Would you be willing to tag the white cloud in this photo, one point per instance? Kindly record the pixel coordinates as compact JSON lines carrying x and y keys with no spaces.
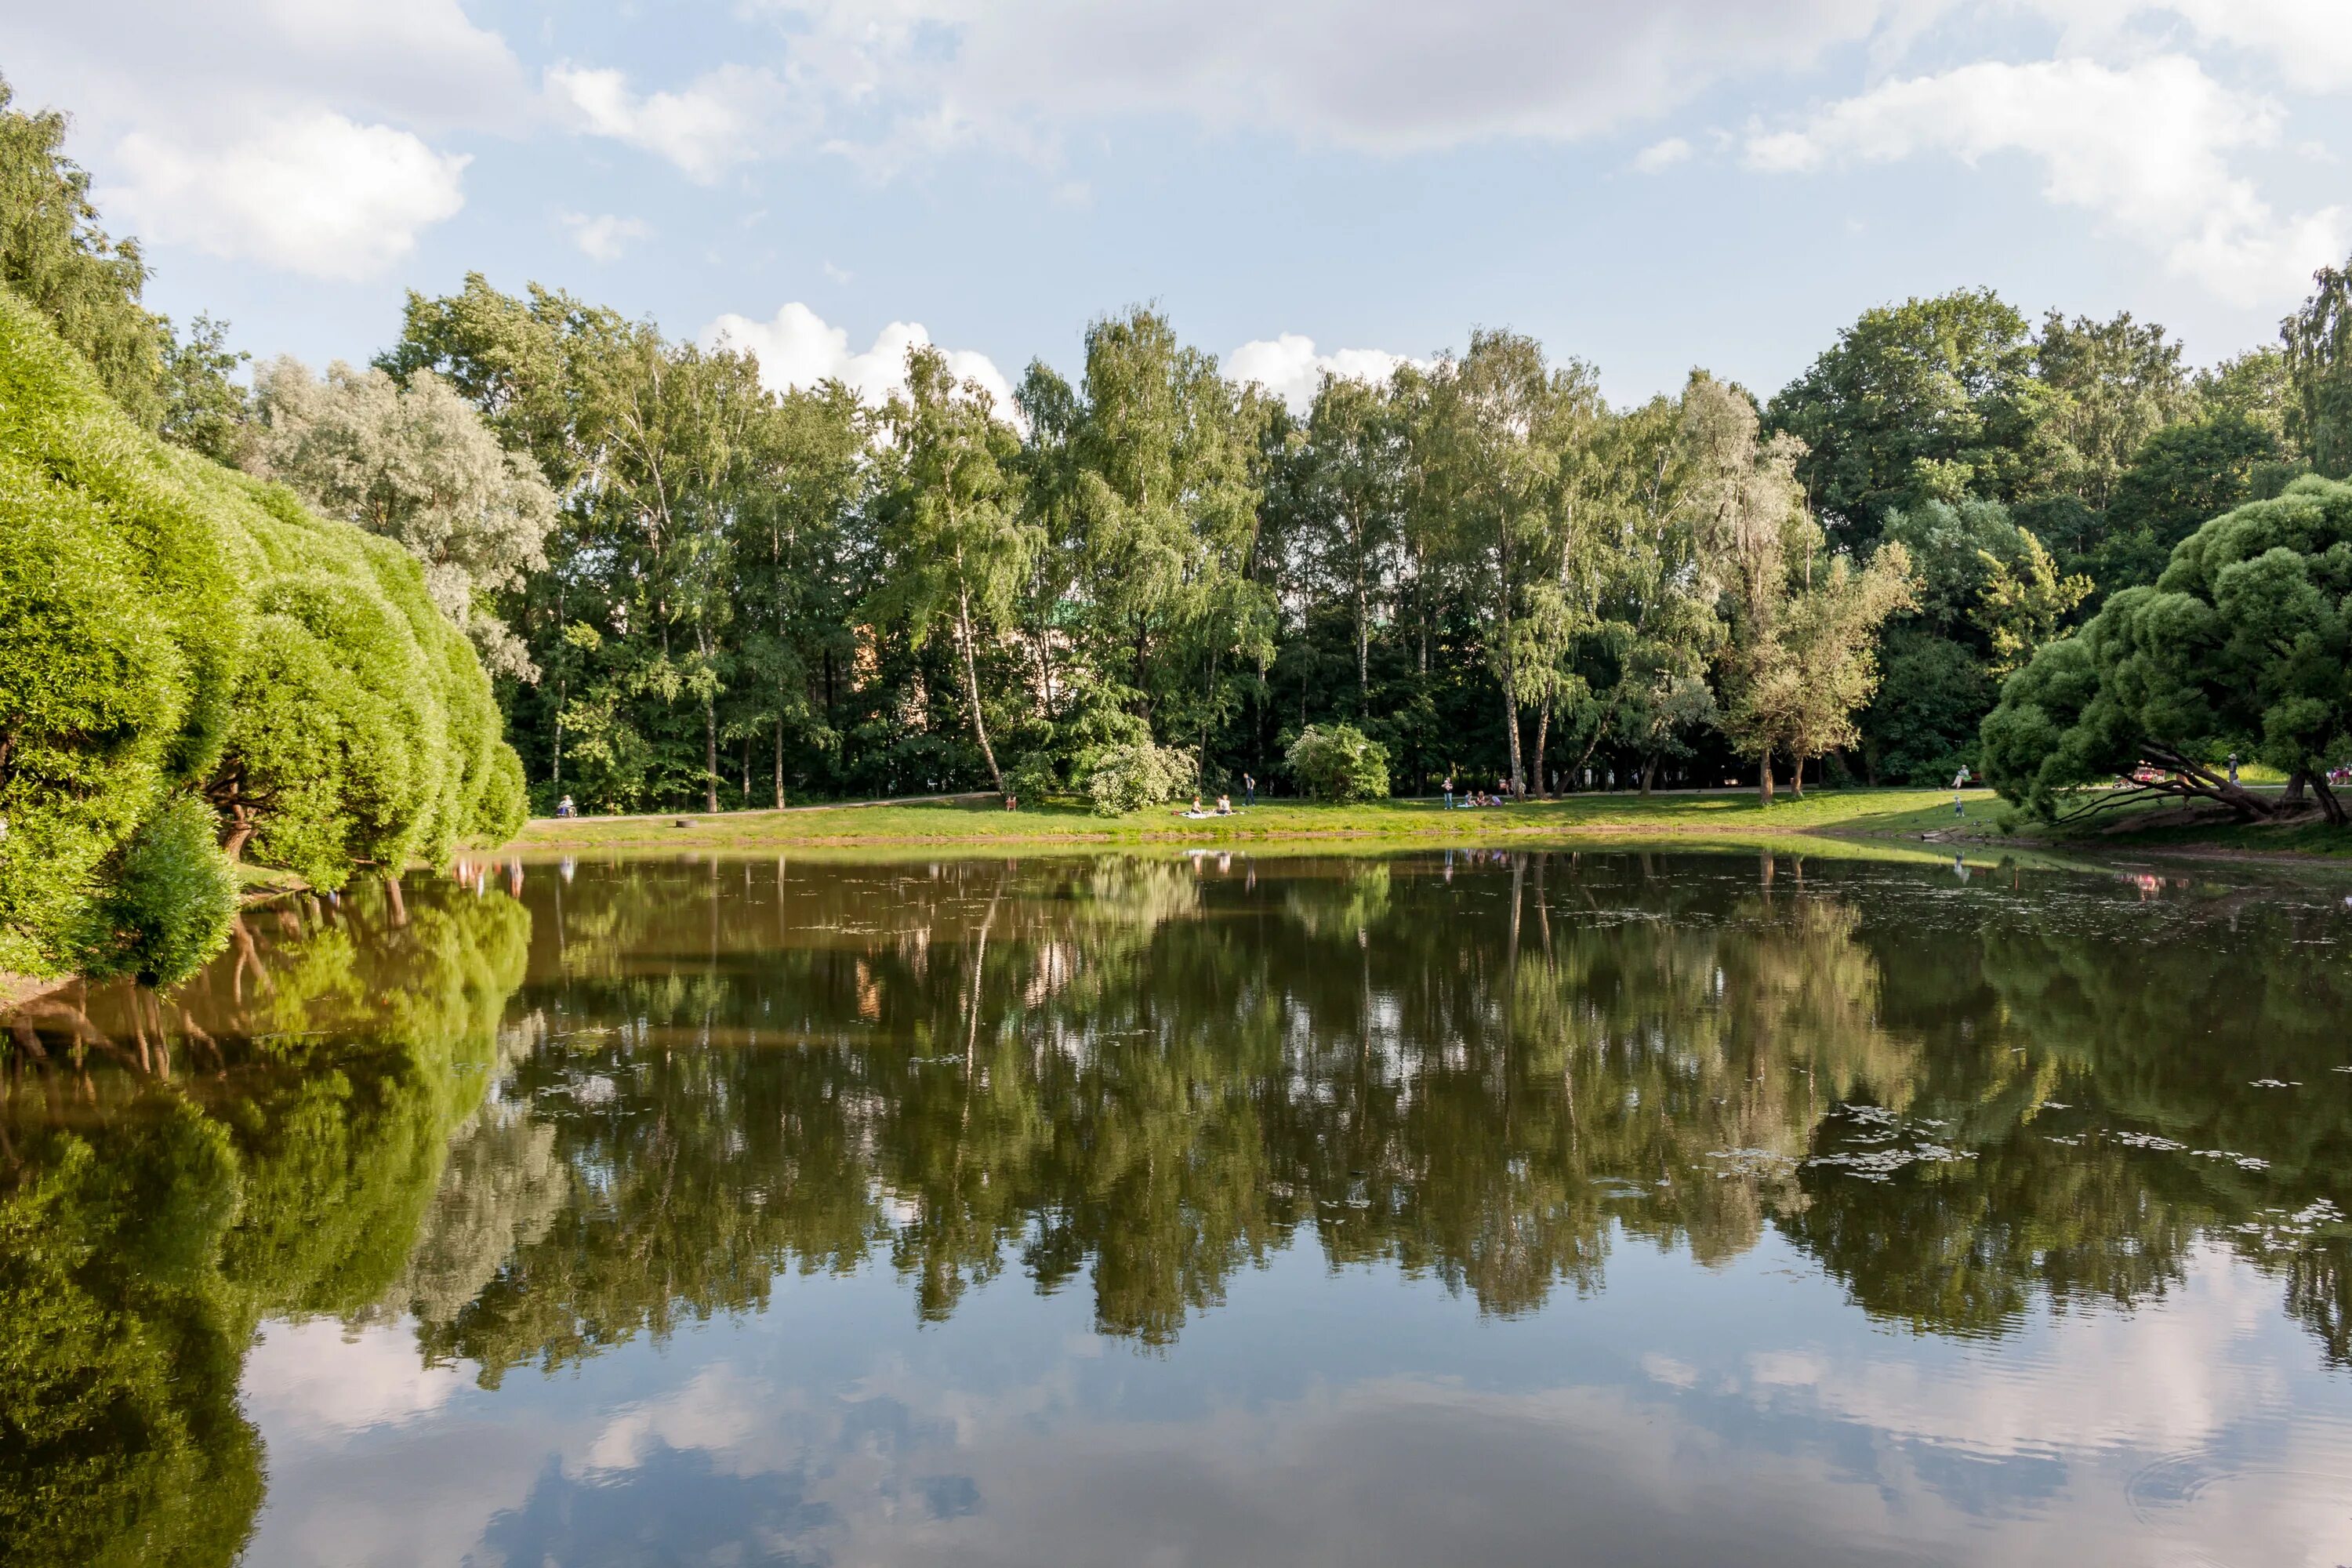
{"x":603,"y":237}
{"x":1391,"y":77}
{"x":890,"y":83}
{"x":132,"y":64}
{"x":2145,"y":146}
{"x":2306,"y":42}
{"x":797,"y":349}
{"x":1329,"y":71}
{"x":2310,"y":41}
{"x":1289,"y":367}
{"x":1663,"y":154}
{"x":318,"y":1378}
{"x":721,"y":119}
{"x":313,"y":194}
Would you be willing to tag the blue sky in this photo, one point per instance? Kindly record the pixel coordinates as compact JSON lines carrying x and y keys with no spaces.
{"x":1647,"y":186}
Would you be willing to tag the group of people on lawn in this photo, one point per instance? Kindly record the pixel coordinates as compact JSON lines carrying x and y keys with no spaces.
{"x":1470,"y":797}
{"x":1225,"y":802}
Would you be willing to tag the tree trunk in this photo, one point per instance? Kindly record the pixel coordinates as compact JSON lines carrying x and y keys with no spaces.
{"x":971,"y":687}
{"x":1363,"y":640}
{"x":1511,"y":723}
{"x":1649,"y":771}
{"x":709,"y":753}
{"x":1420,"y":614}
{"x":2196,"y":779}
{"x":1543,"y":735}
{"x":2330,"y":807}
{"x":399,"y":904}
{"x":780,"y":764}
{"x":1764,"y":779}
{"x":2296,"y":782}
{"x":1797,"y":777}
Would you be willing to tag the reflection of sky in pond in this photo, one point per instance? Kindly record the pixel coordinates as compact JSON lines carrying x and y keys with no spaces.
{"x":1500,"y":1208}
{"x":1349,"y":1418}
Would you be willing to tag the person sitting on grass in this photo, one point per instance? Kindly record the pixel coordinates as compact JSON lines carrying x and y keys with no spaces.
{"x":1225,"y":806}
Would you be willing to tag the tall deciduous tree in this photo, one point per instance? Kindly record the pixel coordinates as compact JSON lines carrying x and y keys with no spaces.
{"x":1166,"y":504}
{"x":417,"y":465}
{"x":89,"y":284}
{"x":1508,"y":431}
{"x":1353,"y":500}
{"x":1800,"y":657}
{"x":1931,"y":399}
{"x":2109,"y":386}
{"x":2318,"y":339}
{"x":956,"y":544}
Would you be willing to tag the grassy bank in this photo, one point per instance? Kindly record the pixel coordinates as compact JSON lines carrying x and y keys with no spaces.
{"x":1712,"y":813}
{"x":1914,"y":816}
{"x":2143,"y":827}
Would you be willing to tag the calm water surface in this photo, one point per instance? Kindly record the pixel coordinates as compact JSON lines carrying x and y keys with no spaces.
{"x":1524,"y":1208}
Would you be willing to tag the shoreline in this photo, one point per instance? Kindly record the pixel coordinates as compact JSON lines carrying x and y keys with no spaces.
{"x":1917,"y":819}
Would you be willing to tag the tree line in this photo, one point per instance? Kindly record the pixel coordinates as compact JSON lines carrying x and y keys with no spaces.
{"x":749,"y":597}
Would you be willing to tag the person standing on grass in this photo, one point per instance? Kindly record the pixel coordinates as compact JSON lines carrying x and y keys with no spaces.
{"x":1449,"y":791}
{"x":1249,"y":789}
{"x":1959,"y":783}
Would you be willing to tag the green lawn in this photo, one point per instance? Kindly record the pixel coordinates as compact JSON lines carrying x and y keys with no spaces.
{"x":2141,"y":826}
{"x":1715,"y":814}
{"x":1922,"y":817}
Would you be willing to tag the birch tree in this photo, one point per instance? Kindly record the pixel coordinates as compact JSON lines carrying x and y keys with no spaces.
{"x":956,"y":543}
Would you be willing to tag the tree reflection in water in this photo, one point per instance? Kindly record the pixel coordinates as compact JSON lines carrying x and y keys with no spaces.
{"x":634,"y":1097}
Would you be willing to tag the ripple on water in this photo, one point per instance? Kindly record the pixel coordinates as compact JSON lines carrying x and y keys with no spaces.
{"x":2227,"y":1509}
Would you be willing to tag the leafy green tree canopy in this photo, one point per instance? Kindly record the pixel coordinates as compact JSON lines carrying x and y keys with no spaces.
{"x":1338,"y":762}
{"x":2244,"y":645}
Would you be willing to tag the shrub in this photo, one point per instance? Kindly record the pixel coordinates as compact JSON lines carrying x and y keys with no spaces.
{"x":505,"y":805}
{"x":1338,"y":762}
{"x":1129,"y":777}
{"x":119,"y":630}
{"x":166,"y":624}
{"x":168,"y":907}
{"x":1033,"y":777}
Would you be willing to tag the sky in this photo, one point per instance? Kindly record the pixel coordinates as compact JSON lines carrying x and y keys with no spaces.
{"x":1318,"y":185}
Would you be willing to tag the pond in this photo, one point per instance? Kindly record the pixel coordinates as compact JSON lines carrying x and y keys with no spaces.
{"x":1532,"y":1207}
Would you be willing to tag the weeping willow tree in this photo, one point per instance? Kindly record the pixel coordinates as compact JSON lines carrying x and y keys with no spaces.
{"x":172,"y":632}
